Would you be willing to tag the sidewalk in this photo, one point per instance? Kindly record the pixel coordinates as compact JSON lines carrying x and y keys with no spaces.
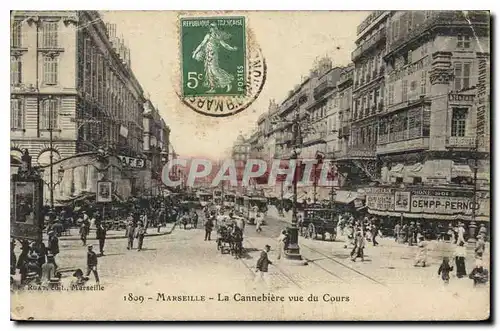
{"x":115,"y":234}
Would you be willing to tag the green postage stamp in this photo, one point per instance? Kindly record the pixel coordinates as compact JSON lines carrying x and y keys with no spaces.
{"x":213,"y":56}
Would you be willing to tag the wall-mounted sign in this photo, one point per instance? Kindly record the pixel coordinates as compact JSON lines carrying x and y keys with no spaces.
{"x":132,"y":162}
{"x":104,"y":190}
{"x":379,"y":198}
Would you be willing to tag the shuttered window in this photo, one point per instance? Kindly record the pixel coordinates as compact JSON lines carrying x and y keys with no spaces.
{"x":16,"y":114}
{"x":50,"y":70}
{"x":49,"y":35}
{"x":49,"y":114}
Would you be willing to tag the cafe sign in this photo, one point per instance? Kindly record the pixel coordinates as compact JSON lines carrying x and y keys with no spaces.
{"x":132,"y":162}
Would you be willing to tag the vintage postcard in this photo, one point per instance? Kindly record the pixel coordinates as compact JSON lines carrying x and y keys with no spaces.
{"x":250,"y":166}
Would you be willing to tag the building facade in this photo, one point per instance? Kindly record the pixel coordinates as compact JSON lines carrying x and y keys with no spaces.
{"x":73,"y":93}
{"x":156,"y":145}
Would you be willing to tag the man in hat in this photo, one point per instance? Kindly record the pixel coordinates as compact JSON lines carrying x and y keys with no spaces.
{"x":101,"y":236}
{"x":262,"y":266}
{"x":92,"y":263}
{"x":53,"y":244}
{"x":411,"y":230}
{"x":84,"y":228}
{"x":139,"y":234}
{"x":130,"y":232}
{"x":483,"y":231}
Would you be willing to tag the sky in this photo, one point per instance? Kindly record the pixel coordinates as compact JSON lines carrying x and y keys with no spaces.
{"x":290,"y":43}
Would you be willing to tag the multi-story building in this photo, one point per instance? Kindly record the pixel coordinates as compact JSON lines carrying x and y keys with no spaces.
{"x":434,"y":127}
{"x":73,"y":92}
{"x":344,"y":101}
{"x":359,"y":164}
{"x":156,"y":145}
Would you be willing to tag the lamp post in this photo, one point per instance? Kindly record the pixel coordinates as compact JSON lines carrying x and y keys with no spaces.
{"x":51,"y":184}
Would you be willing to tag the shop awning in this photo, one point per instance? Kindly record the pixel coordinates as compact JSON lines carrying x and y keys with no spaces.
{"x":397,"y":170}
{"x":415,"y":170}
{"x":456,"y":217}
{"x":345,"y":197}
{"x":461,"y":170}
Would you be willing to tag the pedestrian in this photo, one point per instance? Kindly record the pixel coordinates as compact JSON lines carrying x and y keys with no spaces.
{"x":359,"y":246}
{"x":140,"y":233}
{"x":480,"y":247}
{"x":209,"y":224}
{"x":397,"y":229}
{"x":479,"y":274}
{"x":444,"y":270}
{"x":258,"y":225}
{"x":280,"y":247}
{"x":483,"y":231}
{"x":460,"y":253}
{"x":411,"y":229}
{"x":92,"y":263}
{"x":130,"y":233}
{"x":421,"y":256}
{"x":262,"y":267}
{"x":101,"y":236}
{"x":79,"y":279}
{"x":48,"y":269}
{"x":374,"y":232}
{"x":194,"y":217}
{"x":84,"y":231}
{"x":53,"y":244}
{"x":460,"y":233}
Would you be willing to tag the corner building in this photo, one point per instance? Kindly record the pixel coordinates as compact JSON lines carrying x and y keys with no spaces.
{"x":71,"y":76}
{"x":433,"y":131}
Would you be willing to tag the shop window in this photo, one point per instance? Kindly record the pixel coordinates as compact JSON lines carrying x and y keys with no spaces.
{"x":417,"y":180}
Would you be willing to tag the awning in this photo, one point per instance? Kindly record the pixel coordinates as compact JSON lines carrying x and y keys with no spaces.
{"x":397,"y":170}
{"x":345,"y":197}
{"x":288,"y":196}
{"x":455,"y":217}
{"x":461,"y":170}
{"x":415,"y":170}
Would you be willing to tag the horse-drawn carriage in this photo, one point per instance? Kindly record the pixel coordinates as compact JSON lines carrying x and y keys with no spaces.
{"x":319,"y":221}
{"x":230,"y":239}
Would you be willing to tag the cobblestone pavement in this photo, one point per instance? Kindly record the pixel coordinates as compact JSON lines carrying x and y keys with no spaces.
{"x":385,"y":286}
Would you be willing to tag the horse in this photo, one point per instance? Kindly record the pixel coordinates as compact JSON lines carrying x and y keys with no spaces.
{"x":236,"y":242}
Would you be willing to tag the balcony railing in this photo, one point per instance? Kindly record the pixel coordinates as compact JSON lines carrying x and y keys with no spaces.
{"x":441,"y":18}
{"x":314,"y":138}
{"x":323,"y":88}
{"x":373,"y":41}
{"x":368,"y":20}
{"x":461,"y":142}
{"x":284,"y":138}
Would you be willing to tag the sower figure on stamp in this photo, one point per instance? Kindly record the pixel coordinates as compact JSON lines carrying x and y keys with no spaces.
{"x":208,"y":52}
{"x":92,"y":263}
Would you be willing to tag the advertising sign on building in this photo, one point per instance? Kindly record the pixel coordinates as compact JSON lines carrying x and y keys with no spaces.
{"x":402,"y":201}
{"x":132,"y":162}
{"x":442,"y":202}
{"x":26,"y":220}
{"x":379,"y":198}
{"x":104,"y":190}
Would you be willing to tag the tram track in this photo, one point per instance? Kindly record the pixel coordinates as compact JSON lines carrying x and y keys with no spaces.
{"x":330,"y":258}
{"x":288,"y":277}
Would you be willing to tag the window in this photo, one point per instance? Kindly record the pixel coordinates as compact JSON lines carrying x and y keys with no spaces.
{"x":405,"y":90}
{"x":462,"y":75}
{"x":50,"y":70}
{"x":463,"y":41}
{"x":417,"y":180}
{"x":49,"y":35}
{"x":16,"y":34}
{"x":423,"y":82}
{"x":49,"y":114}
{"x":16,"y":114}
{"x":458,"y":121}
{"x":15,"y":70}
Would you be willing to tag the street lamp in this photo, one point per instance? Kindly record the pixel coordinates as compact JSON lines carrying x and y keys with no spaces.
{"x":51,"y":184}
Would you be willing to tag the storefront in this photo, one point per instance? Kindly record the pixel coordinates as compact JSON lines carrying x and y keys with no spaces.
{"x":432,"y":204}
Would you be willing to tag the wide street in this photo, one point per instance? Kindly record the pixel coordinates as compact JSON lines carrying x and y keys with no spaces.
{"x":384,"y":286}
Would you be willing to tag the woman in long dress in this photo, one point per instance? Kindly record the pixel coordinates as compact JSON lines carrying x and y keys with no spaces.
{"x":208,"y":52}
